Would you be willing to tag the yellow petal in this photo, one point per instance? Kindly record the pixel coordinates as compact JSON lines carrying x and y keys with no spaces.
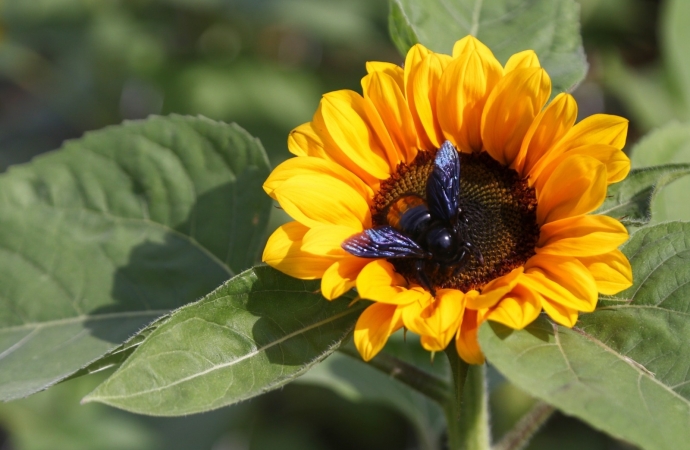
{"x":581,"y":236}
{"x":470,"y":44}
{"x":390,"y":69}
{"x":577,"y":186}
{"x":611,"y":271}
{"x":547,"y":129}
{"x":374,"y":327}
{"x":523,"y":60}
{"x":561,"y":280}
{"x":380,"y":282}
{"x":303,"y":141}
{"x":464,"y":88}
{"x":413,"y":59}
{"x":283,"y":252}
{"x":341,"y":276}
{"x":510,"y":110}
{"x":494,"y":290}
{"x":421,"y":87}
{"x":597,"y":129}
{"x":437,"y":317}
{"x":343,"y":117}
{"x":385,"y":94}
{"x":560,"y":314}
{"x":466,"y":342}
{"x":326,"y":240}
{"x":306,"y":165}
{"x":517,"y":309}
{"x":318,"y":199}
{"x":616,"y":162}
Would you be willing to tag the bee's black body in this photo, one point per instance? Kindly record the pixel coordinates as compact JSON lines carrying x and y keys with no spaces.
{"x":431,"y":233}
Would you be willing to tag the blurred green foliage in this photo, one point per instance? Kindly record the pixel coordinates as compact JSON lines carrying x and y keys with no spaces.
{"x":68,"y":66}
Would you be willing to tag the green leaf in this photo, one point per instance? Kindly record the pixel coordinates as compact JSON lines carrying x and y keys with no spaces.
{"x":670,"y":144}
{"x":257,"y":332}
{"x":630,"y":200}
{"x":115,"y":230}
{"x":624,"y":368}
{"x":549,"y":27}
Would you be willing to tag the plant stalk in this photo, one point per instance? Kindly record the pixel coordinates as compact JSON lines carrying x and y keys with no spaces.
{"x":467,"y":413}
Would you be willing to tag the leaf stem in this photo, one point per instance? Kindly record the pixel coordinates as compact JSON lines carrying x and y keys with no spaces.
{"x":467,"y":413}
{"x":523,"y":431}
{"x":420,"y":380}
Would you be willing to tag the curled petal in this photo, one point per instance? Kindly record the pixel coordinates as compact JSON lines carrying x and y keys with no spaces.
{"x":283,"y":252}
{"x":517,"y":309}
{"x":437,"y":318}
{"x":611,"y":271}
{"x":494,"y":290}
{"x":562,"y":280}
{"x":466,"y":342}
{"x":341,"y":276}
{"x":304,"y":141}
{"x":577,"y":186}
{"x":581,"y":236}
{"x":374,"y":327}
{"x":560,"y":314}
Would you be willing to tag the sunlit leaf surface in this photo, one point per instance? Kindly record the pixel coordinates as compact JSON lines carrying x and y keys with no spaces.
{"x":116,"y":229}
{"x":255,"y":333}
{"x":549,"y":27}
{"x":624,"y":368}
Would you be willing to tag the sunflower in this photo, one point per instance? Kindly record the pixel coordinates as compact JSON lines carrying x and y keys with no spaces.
{"x":529,"y":178}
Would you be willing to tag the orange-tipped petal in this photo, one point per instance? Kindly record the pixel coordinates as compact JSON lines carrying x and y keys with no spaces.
{"x":510,"y":110}
{"x":464,"y":89}
{"x":385,"y":94}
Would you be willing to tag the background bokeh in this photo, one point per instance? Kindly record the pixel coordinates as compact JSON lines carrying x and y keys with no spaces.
{"x":70,"y":66}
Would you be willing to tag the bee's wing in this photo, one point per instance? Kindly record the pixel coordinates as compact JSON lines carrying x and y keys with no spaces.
{"x":443,"y":186}
{"x":383,"y":242}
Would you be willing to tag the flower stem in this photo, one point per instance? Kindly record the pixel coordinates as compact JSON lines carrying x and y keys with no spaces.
{"x":468,"y":412}
{"x":527,"y":426}
{"x":420,"y":380}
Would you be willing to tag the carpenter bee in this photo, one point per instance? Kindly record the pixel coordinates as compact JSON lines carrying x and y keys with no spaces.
{"x":431,"y":232}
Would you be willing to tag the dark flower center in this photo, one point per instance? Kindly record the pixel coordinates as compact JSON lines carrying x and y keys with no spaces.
{"x":500,"y":208}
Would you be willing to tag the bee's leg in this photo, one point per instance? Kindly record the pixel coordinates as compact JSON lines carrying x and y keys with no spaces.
{"x":422,"y":277}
